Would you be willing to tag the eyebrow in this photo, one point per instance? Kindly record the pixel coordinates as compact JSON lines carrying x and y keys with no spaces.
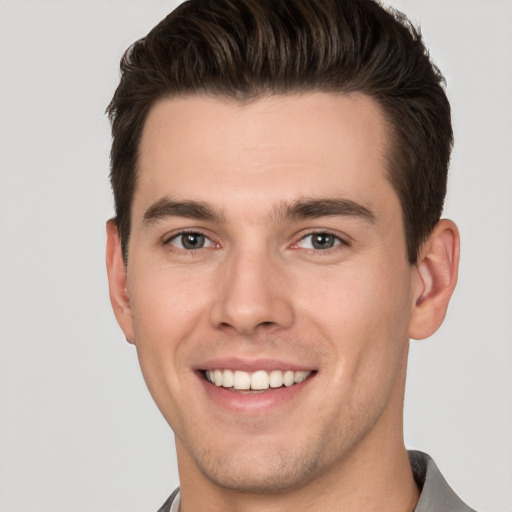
{"x":297,"y":210}
{"x":166,"y":207}
{"x":313,"y":208}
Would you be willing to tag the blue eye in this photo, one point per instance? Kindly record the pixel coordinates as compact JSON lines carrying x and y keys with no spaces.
{"x":319,"y":241}
{"x":190,"y":241}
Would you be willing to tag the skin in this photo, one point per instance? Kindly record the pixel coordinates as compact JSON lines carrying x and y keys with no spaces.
{"x":258,"y":293}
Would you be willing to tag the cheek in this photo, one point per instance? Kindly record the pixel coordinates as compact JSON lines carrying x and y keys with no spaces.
{"x":166,"y":305}
{"x":166,"y":309}
{"x":363,"y":313}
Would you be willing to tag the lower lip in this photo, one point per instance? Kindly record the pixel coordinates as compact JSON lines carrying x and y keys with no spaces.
{"x":254,"y":402}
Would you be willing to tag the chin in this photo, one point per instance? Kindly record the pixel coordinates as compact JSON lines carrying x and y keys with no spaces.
{"x":274,"y":477}
{"x":264,"y":469}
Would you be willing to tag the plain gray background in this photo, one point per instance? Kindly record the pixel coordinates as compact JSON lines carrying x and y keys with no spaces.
{"x":78,"y":430}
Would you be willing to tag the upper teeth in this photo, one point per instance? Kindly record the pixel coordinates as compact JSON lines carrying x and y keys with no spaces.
{"x":257,"y":380}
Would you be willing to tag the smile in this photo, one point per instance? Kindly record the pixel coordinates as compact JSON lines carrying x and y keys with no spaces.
{"x":258,"y":381}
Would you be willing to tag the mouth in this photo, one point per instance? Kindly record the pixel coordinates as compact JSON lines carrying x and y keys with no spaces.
{"x":254,"y":382}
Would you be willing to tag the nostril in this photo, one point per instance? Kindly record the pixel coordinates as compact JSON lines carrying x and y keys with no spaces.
{"x":242,"y":329}
{"x":250,"y":313}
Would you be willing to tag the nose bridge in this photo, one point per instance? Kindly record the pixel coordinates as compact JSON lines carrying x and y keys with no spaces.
{"x":251,"y":294}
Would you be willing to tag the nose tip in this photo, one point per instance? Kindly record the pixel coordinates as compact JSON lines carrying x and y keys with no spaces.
{"x":252,"y":298}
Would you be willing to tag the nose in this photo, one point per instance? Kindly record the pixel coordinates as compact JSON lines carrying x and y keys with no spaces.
{"x":253,"y":295}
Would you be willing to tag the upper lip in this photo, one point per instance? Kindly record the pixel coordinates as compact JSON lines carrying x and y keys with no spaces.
{"x":252,"y":365}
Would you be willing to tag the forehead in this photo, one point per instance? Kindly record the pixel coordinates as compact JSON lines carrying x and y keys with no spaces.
{"x":273,"y":149}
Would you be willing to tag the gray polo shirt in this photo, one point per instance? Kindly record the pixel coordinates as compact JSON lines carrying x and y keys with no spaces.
{"x":436,"y":494}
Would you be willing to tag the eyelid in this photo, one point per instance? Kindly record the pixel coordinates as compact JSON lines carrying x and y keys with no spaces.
{"x":169,"y":237}
{"x":342,"y":239}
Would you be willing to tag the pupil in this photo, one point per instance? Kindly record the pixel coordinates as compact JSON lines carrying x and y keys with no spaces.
{"x":323,"y":241}
{"x":193,"y":240}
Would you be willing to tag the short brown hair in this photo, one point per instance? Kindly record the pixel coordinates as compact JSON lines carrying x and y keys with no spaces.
{"x":244,"y":49}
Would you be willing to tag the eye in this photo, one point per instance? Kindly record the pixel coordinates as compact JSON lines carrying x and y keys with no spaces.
{"x":319,"y":241}
{"x":190,"y":240}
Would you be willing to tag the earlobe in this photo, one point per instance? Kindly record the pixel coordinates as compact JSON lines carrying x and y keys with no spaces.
{"x":116,"y":271}
{"x":436,"y":277}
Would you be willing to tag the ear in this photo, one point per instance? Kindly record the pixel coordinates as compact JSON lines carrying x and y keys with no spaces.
{"x":116,"y":271}
{"x":436,"y":277}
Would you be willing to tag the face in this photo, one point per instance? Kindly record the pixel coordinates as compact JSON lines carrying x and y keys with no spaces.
{"x":268,"y":290}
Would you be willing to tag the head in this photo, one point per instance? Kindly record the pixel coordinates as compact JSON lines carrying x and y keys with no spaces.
{"x":279,"y":169}
{"x":248,"y":49}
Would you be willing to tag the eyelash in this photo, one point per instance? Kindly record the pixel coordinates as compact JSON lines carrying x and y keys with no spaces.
{"x":175,"y":236}
{"x":338,"y":241}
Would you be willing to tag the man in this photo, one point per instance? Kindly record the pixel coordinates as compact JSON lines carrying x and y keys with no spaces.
{"x":279,"y":171}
